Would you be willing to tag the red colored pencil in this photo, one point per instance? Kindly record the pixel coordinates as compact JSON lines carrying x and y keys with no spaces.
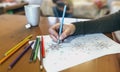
{"x":43,"y":48}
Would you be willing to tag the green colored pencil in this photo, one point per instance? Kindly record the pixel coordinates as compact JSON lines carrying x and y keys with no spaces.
{"x":37,"y":47}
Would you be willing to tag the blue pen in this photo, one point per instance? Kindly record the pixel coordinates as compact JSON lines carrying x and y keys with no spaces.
{"x":61,"y":24}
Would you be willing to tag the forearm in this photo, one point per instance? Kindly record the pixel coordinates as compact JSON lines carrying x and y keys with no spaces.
{"x":102,"y":25}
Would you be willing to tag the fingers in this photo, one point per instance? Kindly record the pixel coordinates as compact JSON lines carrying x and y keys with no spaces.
{"x":67,"y":30}
{"x":53,"y":32}
{"x":54,"y":38}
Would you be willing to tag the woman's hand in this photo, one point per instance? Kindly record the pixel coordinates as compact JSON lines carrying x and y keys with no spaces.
{"x":68,"y":29}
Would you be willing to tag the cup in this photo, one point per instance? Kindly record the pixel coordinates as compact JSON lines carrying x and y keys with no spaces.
{"x":32,"y":13}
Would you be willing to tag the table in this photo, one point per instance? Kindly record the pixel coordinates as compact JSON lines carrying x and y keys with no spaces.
{"x":12,"y":30}
{"x":18,"y":8}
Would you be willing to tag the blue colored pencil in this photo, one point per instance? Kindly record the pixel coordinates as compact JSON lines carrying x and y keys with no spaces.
{"x":18,"y":58}
{"x":61,"y":24}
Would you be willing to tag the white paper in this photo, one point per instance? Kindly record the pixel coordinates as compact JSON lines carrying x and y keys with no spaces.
{"x":68,"y":20}
{"x":71,"y":20}
{"x":83,"y":20}
{"x":76,"y":50}
{"x":52,"y":20}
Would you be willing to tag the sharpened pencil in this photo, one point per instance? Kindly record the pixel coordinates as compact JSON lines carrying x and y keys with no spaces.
{"x":61,"y":24}
{"x":41,"y":54}
{"x":36,"y":50}
{"x":33,"y":50}
{"x":18,"y":45}
{"x":42,"y":46}
{"x":11,"y":53}
{"x":18,"y":58}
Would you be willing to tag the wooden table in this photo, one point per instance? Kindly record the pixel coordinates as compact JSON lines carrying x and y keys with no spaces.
{"x":12,"y":30}
{"x":18,"y":8}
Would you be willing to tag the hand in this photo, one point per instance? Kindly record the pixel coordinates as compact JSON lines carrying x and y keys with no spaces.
{"x":68,"y":29}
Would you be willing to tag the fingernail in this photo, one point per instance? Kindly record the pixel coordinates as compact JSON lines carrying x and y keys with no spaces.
{"x":61,"y":38}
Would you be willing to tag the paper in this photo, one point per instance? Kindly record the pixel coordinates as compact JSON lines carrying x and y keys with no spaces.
{"x":83,"y":20}
{"x":71,"y":20}
{"x":52,"y":20}
{"x":76,"y":50}
{"x":68,"y":20}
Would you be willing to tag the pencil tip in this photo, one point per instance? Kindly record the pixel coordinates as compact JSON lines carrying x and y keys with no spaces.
{"x":9,"y":67}
{"x":30,"y":61}
{"x":41,"y":67}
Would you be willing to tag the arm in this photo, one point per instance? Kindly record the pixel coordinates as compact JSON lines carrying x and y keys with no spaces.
{"x":105,"y":24}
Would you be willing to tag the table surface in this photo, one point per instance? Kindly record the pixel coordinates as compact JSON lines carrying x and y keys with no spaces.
{"x":12,"y":31}
{"x":17,"y":8}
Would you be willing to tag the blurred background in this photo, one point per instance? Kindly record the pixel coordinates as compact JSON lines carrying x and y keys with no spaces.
{"x":76,"y":8}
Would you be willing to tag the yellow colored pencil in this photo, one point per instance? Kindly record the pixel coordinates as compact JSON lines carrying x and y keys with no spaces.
{"x":12,"y":52}
{"x":18,"y":45}
{"x":28,"y":37}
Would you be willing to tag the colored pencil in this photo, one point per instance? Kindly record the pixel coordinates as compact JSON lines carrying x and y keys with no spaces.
{"x":11,"y":53}
{"x":41,"y":56}
{"x":33,"y":50}
{"x":18,"y":58}
{"x":18,"y":45}
{"x":61,"y":24}
{"x":42,"y":46}
{"x":36,"y":50}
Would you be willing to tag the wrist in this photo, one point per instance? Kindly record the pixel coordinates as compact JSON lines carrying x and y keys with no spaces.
{"x":72,"y":26}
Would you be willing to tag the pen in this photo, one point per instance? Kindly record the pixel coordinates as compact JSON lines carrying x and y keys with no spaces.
{"x":61,"y":24}
{"x":18,"y":58}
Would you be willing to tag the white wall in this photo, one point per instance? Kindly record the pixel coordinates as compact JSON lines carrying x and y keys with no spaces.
{"x":115,"y":6}
{"x":110,"y":1}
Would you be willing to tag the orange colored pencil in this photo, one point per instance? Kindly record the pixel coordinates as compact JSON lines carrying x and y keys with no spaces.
{"x":11,"y":53}
{"x":18,"y":45}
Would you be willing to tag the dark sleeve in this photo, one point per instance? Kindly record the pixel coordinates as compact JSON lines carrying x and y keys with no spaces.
{"x":104,"y":24}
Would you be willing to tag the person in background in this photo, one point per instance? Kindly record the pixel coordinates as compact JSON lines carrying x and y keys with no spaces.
{"x":59,"y":6}
{"x":104,"y":24}
{"x":8,"y":0}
